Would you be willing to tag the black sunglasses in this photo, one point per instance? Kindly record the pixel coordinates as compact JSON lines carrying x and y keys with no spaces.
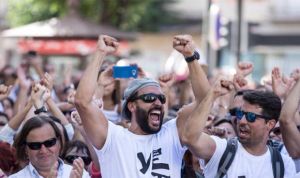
{"x":70,"y":159}
{"x":38,"y":145}
{"x":151,"y":97}
{"x":250,"y":116}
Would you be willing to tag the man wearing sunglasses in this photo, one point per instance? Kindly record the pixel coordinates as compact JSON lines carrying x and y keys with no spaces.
{"x":40,"y":142}
{"x":256,"y":117}
{"x":147,"y":148}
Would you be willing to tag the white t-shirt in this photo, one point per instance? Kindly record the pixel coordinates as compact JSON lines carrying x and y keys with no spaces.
{"x":128,"y":155}
{"x":245,"y":164}
{"x":296,"y":161}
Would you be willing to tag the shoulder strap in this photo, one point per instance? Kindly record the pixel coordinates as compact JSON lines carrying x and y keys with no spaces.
{"x":277,"y":162}
{"x":227,"y":157}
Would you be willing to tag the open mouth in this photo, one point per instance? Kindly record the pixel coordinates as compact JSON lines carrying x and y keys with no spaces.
{"x":243,"y":131}
{"x":155,"y":116}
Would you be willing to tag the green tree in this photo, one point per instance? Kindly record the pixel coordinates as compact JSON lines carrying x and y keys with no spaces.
{"x":144,"y":15}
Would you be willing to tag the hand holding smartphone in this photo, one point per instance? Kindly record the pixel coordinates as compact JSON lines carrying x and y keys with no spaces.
{"x":125,"y":71}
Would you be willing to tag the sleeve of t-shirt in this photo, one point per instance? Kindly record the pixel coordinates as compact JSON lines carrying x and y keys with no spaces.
{"x":7,"y":134}
{"x":289,"y":166}
{"x":212,"y":165}
{"x":112,"y":130}
{"x":174,"y":134}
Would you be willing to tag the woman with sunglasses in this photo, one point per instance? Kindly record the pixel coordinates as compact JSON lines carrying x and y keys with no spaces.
{"x":40,"y":143}
{"x":75,"y":149}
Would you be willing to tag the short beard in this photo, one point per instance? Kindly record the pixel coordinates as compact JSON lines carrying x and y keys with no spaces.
{"x":142,"y":121}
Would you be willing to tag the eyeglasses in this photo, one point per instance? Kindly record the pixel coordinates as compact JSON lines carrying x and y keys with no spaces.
{"x":151,"y":97}
{"x":250,"y":116}
{"x":70,"y":158}
{"x":276,"y":130}
{"x":38,"y":145}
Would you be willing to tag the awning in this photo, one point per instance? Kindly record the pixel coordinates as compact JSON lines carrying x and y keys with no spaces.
{"x":80,"y":47}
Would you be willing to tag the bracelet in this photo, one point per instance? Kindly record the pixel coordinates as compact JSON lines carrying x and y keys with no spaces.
{"x":40,"y":110}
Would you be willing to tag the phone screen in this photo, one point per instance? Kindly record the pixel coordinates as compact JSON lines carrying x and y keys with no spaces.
{"x":125,"y":71}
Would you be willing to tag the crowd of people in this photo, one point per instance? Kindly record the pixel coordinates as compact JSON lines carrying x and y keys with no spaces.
{"x":98,"y":126}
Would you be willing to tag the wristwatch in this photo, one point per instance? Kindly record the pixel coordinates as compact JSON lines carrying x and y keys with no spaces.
{"x":196,"y":55}
{"x":40,"y":110}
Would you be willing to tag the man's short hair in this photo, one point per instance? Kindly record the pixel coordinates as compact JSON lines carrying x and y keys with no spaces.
{"x":268,"y":101}
{"x":132,"y":90}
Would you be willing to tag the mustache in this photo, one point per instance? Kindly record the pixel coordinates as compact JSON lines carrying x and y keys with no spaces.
{"x":156,"y":108}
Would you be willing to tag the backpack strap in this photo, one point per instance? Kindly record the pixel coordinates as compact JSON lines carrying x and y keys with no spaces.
{"x":277,"y":162}
{"x":227,"y":157}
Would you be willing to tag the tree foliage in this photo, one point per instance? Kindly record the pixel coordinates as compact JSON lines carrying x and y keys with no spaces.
{"x":145,"y":15}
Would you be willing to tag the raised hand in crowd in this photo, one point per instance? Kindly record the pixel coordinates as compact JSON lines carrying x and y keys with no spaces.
{"x":53,"y":172}
{"x":107,"y":44}
{"x":4,"y":91}
{"x":239,"y":82}
{"x":199,"y":143}
{"x":290,"y":119}
{"x":280,"y":84}
{"x":47,"y":80}
{"x":37,"y":93}
{"x":166,"y":81}
{"x":244,"y":68}
{"x":77,"y":169}
{"x":184,"y":44}
{"x":200,"y":84}
{"x":93,"y":119}
{"x":47,"y":83}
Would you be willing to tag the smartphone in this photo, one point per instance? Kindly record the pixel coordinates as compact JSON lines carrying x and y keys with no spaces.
{"x":125,"y":71}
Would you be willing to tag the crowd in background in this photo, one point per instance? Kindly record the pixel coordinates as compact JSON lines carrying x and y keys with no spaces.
{"x":41,"y":129}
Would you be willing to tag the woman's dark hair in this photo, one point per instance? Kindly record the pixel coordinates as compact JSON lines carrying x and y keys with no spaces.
{"x":79,"y":145}
{"x":33,"y":123}
{"x":221,"y":121}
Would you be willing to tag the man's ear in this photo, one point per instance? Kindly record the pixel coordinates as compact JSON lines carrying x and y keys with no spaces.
{"x":271,"y":124}
{"x":131,"y":106}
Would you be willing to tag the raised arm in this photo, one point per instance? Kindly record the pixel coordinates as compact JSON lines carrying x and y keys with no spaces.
{"x":47,"y":81}
{"x":186,"y":46}
{"x":280,"y":85}
{"x":94,"y":121}
{"x":288,"y":125}
{"x":199,"y":143}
